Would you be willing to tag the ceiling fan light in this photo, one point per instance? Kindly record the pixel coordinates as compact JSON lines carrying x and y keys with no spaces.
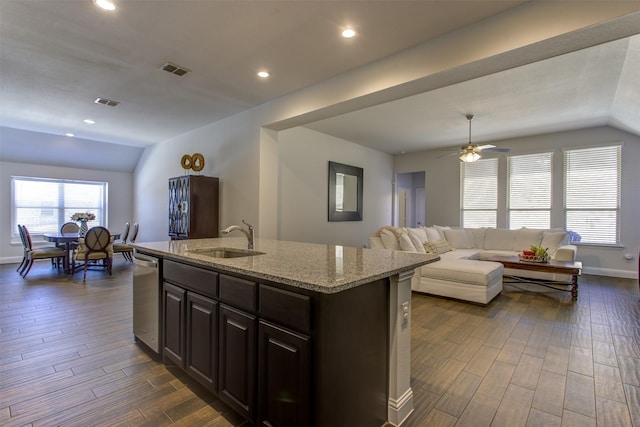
{"x":470,"y":156}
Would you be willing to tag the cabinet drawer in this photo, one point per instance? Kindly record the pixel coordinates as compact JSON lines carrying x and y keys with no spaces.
{"x":238,"y":292}
{"x":197,"y":279}
{"x":285,"y":308}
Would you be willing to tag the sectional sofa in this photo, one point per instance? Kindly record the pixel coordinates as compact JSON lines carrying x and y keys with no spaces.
{"x":464,"y":271}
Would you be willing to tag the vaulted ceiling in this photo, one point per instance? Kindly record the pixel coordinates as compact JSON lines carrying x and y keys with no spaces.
{"x":58,"y":56}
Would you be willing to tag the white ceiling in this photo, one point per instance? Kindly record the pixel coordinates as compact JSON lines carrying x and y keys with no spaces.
{"x":57,"y":56}
{"x":592,"y":87}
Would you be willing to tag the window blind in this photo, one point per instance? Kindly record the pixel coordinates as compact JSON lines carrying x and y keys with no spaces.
{"x":592,"y":194}
{"x":43,"y":205}
{"x":529,"y":194}
{"x":480,"y":193}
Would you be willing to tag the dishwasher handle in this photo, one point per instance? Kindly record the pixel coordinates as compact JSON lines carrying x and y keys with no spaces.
{"x":147,"y":262}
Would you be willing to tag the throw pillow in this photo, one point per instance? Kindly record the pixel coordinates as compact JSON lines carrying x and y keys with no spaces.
{"x":418,"y":236}
{"x":389,"y":240}
{"x":405,"y":243}
{"x":441,"y":230}
{"x":525,"y":237}
{"x":438,"y":247}
{"x":458,"y":239}
{"x":553,"y":240}
{"x":432,"y":234}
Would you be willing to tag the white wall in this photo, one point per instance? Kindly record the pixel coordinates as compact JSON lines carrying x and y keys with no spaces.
{"x":120,"y":198}
{"x":443,"y":190}
{"x":303,"y":162}
{"x":231,"y":151}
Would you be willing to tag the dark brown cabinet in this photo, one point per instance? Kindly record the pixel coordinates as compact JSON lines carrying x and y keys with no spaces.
{"x":173,"y":324}
{"x":193,"y":207}
{"x":237,"y":366}
{"x":284,"y":377}
{"x":202,"y":339}
{"x":277,"y":355}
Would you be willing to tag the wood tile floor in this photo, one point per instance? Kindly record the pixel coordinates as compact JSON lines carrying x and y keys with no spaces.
{"x":67,"y":357}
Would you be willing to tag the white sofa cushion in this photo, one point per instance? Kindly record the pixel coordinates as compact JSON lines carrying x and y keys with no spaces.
{"x":441,"y":230}
{"x":432,"y":234}
{"x":552,"y":240}
{"x":458,"y":239}
{"x":487,"y":254}
{"x":480,"y":273}
{"x":524,"y":238}
{"x":390,"y":240}
{"x":478,"y":236}
{"x":405,"y":242}
{"x":499,"y":239}
{"x":418,"y":237}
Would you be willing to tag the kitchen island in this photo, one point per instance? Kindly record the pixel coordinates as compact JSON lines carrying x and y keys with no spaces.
{"x":292,"y":334}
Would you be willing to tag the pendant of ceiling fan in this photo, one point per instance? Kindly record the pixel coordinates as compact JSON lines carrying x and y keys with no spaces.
{"x":471,"y":152}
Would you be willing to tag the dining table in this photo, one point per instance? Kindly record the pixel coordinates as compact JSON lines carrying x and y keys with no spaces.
{"x":70,"y":241}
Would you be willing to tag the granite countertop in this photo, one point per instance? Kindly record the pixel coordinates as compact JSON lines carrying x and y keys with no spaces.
{"x":316,"y":267}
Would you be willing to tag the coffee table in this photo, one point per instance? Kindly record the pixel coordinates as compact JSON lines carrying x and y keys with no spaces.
{"x":573,"y":269}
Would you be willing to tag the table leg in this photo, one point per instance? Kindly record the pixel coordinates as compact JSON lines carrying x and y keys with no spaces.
{"x":574,"y":287}
{"x":67,"y":260}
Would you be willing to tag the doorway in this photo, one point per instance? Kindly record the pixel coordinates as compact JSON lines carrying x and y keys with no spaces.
{"x":410,"y":199}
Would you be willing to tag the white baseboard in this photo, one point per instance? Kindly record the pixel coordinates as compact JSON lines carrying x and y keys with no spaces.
{"x":623,"y":274}
{"x":399,"y":410}
{"x":11,"y":260}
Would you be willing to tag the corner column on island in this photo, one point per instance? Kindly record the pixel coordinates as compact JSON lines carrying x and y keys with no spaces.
{"x":294,"y":334}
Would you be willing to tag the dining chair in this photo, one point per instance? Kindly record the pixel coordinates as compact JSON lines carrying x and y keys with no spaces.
{"x":24,"y":248}
{"x":69,"y":227}
{"x":121,"y":247}
{"x":96,"y":245}
{"x":31,"y":254}
{"x":134,"y":233}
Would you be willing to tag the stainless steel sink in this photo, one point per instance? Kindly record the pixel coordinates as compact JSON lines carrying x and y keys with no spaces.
{"x":224,"y":252}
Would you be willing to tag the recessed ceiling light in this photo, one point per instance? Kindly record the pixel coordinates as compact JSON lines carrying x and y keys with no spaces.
{"x":348,"y":33}
{"x":109,"y":5}
{"x":89,"y":121}
{"x":69,"y":134}
{"x":263,"y":74}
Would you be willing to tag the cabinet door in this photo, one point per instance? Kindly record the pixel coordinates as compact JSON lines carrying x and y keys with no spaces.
{"x":179,"y":207}
{"x":202,"y":338}
{"x":237,"y":365}
{"x":284,"y":377}
{"x":173,"y":302}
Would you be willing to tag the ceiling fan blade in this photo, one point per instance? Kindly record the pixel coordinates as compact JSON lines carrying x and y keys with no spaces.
{"x":444,"y":156}
{"x":496,"y":150}
{"x":484,"y":147}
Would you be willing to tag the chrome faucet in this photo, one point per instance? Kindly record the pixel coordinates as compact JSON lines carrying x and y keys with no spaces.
{"x":248,"y":232}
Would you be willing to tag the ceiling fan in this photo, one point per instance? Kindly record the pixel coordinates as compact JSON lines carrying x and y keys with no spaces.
{"x":471,"y":152}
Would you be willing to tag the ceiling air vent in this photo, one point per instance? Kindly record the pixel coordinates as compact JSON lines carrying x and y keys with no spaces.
{"x":175,"y":69}
{"x":105,"y":101}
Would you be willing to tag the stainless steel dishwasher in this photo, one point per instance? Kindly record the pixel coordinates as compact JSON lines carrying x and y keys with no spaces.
{"x":146,"y":299}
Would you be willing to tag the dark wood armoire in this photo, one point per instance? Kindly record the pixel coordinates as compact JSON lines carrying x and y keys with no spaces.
{"x":193,"y":207}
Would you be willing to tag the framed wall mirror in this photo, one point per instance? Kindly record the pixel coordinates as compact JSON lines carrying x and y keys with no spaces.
{"x":345,"y":192}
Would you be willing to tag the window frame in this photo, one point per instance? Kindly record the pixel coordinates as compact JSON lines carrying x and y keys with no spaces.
{"x":550,"y":160}
{"x":60,"y":208}
{"x":616,"y":210}
{"x":463,"y":209}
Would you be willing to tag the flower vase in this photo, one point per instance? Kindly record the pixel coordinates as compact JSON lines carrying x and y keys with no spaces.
{"x":83,"y":228}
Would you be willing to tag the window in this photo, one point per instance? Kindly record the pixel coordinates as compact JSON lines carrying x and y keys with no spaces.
{"x":592,"y":194}
{"x":479,"y":193}
{"x":43,"y":205}
{"x":529,"y":195}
